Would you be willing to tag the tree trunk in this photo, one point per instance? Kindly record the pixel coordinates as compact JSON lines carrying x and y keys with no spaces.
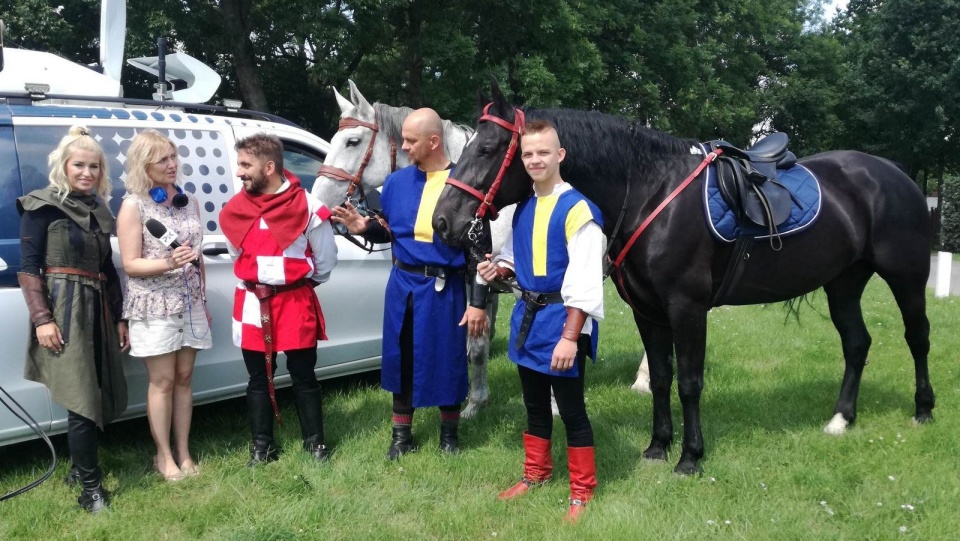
{"x":236,"y":16}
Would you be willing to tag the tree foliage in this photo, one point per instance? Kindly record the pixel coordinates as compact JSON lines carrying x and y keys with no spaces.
{"x":950,"y":215}
{"x":882,"y":77}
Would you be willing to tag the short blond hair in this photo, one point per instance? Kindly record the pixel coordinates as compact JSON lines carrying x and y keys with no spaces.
{"x":147,"y":148}
{"x":78,"y":138}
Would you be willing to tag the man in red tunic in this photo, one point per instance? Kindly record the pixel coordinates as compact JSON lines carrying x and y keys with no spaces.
{"x":284,"y":247}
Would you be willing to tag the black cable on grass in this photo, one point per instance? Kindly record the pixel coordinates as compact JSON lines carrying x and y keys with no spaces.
{"x":32,"y":423}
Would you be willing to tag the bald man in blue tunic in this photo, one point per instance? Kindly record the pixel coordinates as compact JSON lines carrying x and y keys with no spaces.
{"x":426,"y":317}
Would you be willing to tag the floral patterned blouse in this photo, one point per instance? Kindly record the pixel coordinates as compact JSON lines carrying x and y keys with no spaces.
{"x":166,"y":294}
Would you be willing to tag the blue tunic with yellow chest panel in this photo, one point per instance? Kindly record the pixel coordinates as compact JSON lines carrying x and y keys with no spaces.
{"x":541,"y":228}
{"x":439,"y":343}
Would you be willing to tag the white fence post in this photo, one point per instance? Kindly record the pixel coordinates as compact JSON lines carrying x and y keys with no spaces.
{"x":944,"y":268}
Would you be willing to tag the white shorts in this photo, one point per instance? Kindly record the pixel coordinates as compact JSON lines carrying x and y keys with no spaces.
{"x":164,"y":335}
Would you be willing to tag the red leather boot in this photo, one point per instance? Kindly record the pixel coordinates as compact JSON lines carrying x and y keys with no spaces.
{"x":583,"y":480}
{"x":537,"y":467}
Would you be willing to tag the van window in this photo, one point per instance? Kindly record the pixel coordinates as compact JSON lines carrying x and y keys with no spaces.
{"x":303,"y":162}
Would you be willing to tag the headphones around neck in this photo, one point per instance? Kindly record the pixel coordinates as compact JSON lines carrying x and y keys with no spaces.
{"x":159,"y":195}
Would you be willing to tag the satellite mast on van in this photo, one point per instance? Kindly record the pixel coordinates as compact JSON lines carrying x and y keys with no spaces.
{"x":40,"y":73}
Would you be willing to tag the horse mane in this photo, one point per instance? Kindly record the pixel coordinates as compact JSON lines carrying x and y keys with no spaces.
{"x":391,"y":118}
{"x":613,"y":147}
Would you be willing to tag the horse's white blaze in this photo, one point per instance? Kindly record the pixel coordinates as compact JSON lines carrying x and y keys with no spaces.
{"x":837,"y":426}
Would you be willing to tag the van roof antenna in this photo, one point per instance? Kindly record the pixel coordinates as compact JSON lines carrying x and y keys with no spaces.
{"x":161,"y":85}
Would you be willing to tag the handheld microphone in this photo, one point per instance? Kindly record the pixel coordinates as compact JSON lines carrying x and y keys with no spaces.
{"x":166,"y":237}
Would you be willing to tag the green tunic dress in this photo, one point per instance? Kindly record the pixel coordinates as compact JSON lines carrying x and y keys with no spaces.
{"x":87,"y":375}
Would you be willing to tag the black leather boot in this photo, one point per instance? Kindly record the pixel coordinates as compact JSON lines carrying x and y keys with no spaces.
{"x":310,"y":411}
{"x":93,"y":497}
{"x":402,"y":442}
{"x":448,"y":437}
{"x":82,"y":440}
{"x":263,"y":449}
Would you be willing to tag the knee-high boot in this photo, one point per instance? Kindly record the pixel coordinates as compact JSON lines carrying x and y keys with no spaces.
{"x":82,"y":439}
{"x":310,"y":410}
{"x":537,"y":467}
{"x":583,"y":480}
{"x":260,"y":411}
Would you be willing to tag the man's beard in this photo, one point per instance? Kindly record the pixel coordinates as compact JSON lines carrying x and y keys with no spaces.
{"x":257,"y":184}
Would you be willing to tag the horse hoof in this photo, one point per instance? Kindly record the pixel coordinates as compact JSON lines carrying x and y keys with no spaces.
{"x":641,"y":387}
{"x":687,"y":467}
{"x":470,"y":411}
{"x":655,"y":453}
{"x":923,"y":419}
{"x":837,"y":426}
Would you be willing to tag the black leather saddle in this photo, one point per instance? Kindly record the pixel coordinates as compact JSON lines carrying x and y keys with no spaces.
{"x":747,"y":179}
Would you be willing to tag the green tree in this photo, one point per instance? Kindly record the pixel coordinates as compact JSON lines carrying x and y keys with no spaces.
{"x":69,"y":28}
{"x":902,"y":91}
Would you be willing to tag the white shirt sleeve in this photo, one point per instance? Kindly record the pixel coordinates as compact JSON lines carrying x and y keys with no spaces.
{"x":322,"y":242}
{"x":583,"y":282}
{"x":505,"y":257}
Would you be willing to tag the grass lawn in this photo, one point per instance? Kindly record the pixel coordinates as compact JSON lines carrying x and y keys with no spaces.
{"x":770,"y":470}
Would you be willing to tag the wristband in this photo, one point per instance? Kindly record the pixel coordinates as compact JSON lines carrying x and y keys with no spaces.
{"x":574,"y":324}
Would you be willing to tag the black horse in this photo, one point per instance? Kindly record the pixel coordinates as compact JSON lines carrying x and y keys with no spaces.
{"x":873,"y":219}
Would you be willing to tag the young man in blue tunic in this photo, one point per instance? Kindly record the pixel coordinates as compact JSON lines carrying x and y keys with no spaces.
{"x":426,"y":317}
{"x":556,"y":251}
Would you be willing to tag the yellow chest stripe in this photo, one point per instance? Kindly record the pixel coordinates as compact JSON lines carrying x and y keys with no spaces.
{"x":541,"y":223}
{"x":423,"y":229}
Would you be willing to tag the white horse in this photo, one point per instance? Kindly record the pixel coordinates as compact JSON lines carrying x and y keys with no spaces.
{"x":366,"y":149}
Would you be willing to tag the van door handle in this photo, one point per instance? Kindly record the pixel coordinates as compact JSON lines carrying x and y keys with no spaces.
{"x":214,"y":249}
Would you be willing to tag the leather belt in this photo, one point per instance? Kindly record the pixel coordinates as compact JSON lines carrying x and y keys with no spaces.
{"x":263,"y":293}
{"x":427,"y":270}
{"x":533,"y":302}
{"x":79,"y":272}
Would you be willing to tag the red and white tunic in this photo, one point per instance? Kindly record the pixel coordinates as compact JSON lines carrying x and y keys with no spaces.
{"x":297,"y":319}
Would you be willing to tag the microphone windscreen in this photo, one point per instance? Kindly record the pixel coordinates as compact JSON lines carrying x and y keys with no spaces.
{"x":156,"y":228}
{"x":180,"y":200}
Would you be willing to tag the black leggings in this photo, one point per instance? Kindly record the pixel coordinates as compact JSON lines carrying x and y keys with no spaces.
{"x":403,"y":401}
{"x":569,"y":394}
{"x":300,"y":365}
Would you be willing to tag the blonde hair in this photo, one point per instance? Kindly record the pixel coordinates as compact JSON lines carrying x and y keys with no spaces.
{"x":78,"y":138}
{"x":147,"y":148}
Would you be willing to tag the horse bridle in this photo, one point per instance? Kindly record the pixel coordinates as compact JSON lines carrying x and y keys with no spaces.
{"x":341,"y":175}
{"x":486,"y":199}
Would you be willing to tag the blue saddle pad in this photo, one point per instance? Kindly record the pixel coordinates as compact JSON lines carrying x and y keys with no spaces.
{"x":803,"y":185}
